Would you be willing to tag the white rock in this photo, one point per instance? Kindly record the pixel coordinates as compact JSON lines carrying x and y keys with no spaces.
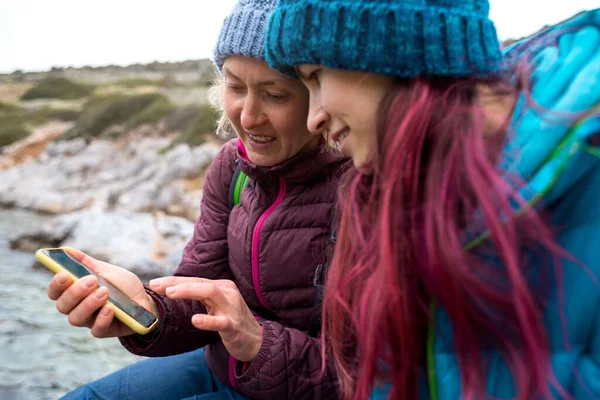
{"x":139,"y":242}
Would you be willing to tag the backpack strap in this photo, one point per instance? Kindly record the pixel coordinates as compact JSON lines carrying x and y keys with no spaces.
{"x":316,"y":316}
{"x":239,"y":181}
{"x":317,"y":312}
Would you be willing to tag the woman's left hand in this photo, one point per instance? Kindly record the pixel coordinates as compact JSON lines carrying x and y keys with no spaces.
{"x":227,"y":312}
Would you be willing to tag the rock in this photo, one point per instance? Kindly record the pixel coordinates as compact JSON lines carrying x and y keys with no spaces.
{"x":172,"y":262}
{"x":51,"y":234}
{"x":191,"y":204}
{"x":165,"y":192}
{"x":144,"y":244}
{"x":175,"y":232}
{"x":66,"y":148}
{"x":144,"y":130}
{"x":107,"y":176}
{"x":170,"y":199}
{"x":176,"y":165}
{"x":140,"y":198}
{"x":202,"y":156}
{"x":174,"y":227}
{"x":32,"y":146}
{"x":95,"y":157}
{"x":54,"y":203}
{"x":123,"y":239}
{"x":183,"y":162}
{"x":139,"y":145}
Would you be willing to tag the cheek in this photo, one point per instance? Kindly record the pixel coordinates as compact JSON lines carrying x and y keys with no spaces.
{"x":335,"y":97}
{"x":368,"y":126}
{"x":231,"y":110}
{"x":291,"y":123}
{"x":283,"y":125}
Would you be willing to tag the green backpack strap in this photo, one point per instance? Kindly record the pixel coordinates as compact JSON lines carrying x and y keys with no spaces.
{"x":239,"y":181}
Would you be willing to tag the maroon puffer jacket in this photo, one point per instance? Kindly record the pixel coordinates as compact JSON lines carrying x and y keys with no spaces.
{"x":270,"y":245}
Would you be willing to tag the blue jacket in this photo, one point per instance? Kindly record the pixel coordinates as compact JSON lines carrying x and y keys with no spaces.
{"x":561,"y":164}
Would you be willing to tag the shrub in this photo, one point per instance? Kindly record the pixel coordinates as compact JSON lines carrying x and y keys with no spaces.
{"x":100,"y":113}
{"x":12,"y":128}
{"x":61,"y":114}
{"x":9,"y":108}
{"x":57,"y":88}
{"x":151,"y":114}
{"x":136,"y":82}
{"x":203,"y":124}
{"x":181,"y":118}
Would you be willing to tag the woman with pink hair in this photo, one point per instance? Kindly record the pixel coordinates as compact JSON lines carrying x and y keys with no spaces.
{"x":467,"y":262}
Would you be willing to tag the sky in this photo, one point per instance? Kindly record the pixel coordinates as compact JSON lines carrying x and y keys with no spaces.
{"x":36,"y":35}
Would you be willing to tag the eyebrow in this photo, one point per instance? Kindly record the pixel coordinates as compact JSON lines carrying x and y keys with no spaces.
{"x":267,"y":82}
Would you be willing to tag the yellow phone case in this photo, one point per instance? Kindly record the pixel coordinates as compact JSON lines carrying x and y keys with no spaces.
{"x":119,"y":314}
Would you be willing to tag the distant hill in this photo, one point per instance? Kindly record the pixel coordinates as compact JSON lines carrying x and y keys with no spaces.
{"x":165,"y":99}
{"x":185,"y":72}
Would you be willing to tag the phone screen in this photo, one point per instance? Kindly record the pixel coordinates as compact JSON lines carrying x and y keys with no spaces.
{"x":115,"y":296}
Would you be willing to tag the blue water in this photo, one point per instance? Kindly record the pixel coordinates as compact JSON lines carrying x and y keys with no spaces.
{"x":41,"y":355}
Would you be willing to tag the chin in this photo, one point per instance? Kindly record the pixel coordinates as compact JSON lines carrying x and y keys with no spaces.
{"x":263,"y":161}
{"x":363,"y":166}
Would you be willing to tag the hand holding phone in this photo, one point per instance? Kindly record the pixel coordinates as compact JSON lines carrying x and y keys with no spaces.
{"x":92,"y":293}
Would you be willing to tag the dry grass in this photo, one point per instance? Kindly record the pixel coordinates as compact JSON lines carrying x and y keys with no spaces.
{"x":12,"y":92}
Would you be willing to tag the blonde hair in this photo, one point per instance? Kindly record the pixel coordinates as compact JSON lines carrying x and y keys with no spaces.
{"x":216,"y":99}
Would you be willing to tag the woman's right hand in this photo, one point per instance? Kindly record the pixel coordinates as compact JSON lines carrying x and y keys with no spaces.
{"x":85,"y":303}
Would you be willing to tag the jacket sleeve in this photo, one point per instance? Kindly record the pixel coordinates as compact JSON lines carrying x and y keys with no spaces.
{"x":288,"y":366}
{"x":587,"y":363}
{"x":587,"y":386}
{"x":205,"y":256}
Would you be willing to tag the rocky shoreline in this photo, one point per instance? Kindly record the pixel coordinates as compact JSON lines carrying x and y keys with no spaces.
{"x":129,"y":202}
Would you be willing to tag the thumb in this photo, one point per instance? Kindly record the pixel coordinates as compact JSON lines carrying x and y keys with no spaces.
{"x":107,"y":273}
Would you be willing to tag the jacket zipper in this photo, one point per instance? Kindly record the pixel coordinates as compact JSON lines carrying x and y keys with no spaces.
{"x":256,"y":237}
{"x":255,"y":248}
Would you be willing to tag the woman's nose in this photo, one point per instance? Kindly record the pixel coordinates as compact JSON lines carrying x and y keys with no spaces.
{"x":318,"y":119}
{"x":252,"y":114}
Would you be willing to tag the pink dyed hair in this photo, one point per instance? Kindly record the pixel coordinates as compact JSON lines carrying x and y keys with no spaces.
{"x":401,"y":244}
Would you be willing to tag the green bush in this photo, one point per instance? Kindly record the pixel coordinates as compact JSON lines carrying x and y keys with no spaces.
{"x":151,"y":114}
{"x":170,"y":82}
{"x":9,"y":108}
{"x":136,"y":82}
{"x":13,"y":112}
{"x":204,"y":123}
{"x":15,"y":122}
{"x":100,"y":113}
{"x":61,"y":114}
{"x":12,"y":128}
{"x":181,"y":118}
{"x":57,"y":88}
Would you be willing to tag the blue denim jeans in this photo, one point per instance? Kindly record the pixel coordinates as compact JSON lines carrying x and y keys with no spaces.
{"x":183,"y":376}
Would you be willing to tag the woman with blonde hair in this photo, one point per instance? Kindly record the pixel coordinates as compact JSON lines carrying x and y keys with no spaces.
{"x":244,"y":304}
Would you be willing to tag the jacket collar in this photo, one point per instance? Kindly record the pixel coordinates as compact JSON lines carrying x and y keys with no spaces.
{"x":302,"y":168}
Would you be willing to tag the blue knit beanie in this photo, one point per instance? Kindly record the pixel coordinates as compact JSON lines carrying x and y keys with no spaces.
{"x":243,"y":31}
{"x":404,"y":38}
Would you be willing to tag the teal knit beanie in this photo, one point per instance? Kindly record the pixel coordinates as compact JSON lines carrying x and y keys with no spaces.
{"x":243,"y":31}
{"x":404,"y":38}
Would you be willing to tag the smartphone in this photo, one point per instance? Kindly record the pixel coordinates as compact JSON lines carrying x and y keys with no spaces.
{"x":126,"y":309}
